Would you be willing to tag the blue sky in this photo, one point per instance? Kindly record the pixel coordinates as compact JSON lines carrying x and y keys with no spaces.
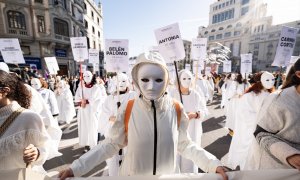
{"x":136,"y":20}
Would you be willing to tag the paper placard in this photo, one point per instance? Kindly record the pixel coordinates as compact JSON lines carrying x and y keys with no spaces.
{"x":188,"y":67}
{"x":94,"y":56}
{"x":52,"y":65}
{"x":207,"y":70}
{"x":169,"y":42}
{"x":227,"y":66}
{"x":285,"y":46}
{"x":246,"y":63}
{"x":11,"y":51}
{"x":198,"y":50}
{"x":79,"y":48}
{"x":116,"y":55}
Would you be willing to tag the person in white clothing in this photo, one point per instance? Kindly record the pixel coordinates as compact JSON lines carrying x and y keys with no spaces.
{"x":248,"y":108}
{"x":210,"y":87}
{"x":25,"y":140}
{"x":65,"y":103}
{"x":153,"y":135}
{"x":201,"y":86}
{"x":195,"y":107}
{"x":276,"y":144}
{"x":109,"y":114}
{"x":90,"y":99}
{"x":38,"y":105}
{"x":47,"y":95}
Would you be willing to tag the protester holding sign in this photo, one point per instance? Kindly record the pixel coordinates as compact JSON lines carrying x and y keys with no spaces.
{"x":196,"y":110}
{"x":89,"y":98}
{"x":137,"y":128}
{"x":23,"y":137}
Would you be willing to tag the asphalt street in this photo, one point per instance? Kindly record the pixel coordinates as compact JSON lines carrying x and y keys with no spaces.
{"x":215,"y":139}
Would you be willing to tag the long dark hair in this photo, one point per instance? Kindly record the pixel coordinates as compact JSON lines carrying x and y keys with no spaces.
{"x":18,"y":91}
{"x":291,"y":78}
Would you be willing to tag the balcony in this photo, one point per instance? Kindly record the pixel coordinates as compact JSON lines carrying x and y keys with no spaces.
{"x":62,"y":38}
{"x":21,"y":32}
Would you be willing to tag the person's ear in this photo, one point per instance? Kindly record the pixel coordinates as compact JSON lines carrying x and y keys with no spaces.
{"x":297,"y":74}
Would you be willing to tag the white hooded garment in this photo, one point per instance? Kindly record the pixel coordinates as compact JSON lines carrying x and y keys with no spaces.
{"x":110,"y":108}
{"x":247,"y":110}
{"x":66,"y":105}
{"x":139,"y":141}
{"x":87,"y":117}
{"x":50,"y":100}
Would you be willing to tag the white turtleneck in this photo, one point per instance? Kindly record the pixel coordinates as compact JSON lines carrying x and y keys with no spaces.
{"x":27,"y":128}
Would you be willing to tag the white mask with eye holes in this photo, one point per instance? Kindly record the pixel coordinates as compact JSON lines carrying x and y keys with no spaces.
{"x":152,"y":81}
{"x":87,"y":77}
{"x":36,"y":83}
{"x":123,"y":81}
{"x":186,"y":79}
{"x":267,"y":80}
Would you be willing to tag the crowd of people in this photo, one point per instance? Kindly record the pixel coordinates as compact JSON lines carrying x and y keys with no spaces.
{"x":152,"y":125}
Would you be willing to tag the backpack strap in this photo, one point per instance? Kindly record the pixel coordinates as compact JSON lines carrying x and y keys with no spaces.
{"x":129,"y":109}
{"x":127,"y":114}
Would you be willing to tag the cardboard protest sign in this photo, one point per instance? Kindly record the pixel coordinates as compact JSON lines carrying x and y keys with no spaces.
{"x":79,"y":48}
{"x":246,"y":63}
{"x":285,"y":46}
{"x":116,"y":55}
{"x":198,"y":50}
{"x":169,"y":42}
{"x":11,"y":51}
{"x":227,"y":66}
{"x":52,"y":65}
{"x":94,"y":56}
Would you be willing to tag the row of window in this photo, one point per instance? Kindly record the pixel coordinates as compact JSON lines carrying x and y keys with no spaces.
{"x":86,"y":24}
{"x":92,"y":14}
{"x":16,"y":20}
{"x":223,"y":16}
{"x":221,"y":28}
{"x":222,"y":5}
{"x":258,"y":29}
{"x":226,"y":35}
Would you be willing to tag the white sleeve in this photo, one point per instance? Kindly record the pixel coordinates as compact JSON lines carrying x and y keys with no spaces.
{"x":188,"y":149}
{"x":53,"y":102}
{"x":106,"y":149}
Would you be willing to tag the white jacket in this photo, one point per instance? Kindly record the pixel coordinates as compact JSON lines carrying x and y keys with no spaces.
{"x":139,"y":157}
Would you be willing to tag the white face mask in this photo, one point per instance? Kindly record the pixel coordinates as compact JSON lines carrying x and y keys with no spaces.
{"x":36,"y":83}
{"x":152,"y":80}
{"x":87,"y":77}
{"x":185,"y":80}
{"x":267,"y":80}
{"x":123,"y":82}
{"x":232,"y":77}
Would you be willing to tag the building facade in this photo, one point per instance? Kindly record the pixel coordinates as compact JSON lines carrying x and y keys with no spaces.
{"x":44,"y":28}
{"x":93,"y":22}
{"x":232,"y":22}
